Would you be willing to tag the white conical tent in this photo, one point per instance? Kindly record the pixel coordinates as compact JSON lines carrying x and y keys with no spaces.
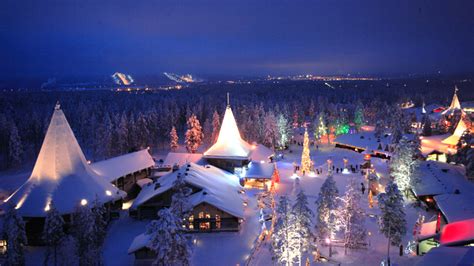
{"x":229,"y":143}
{"x":62,"y":175}
{"x":455,"y":104}
{"x":458,"y":132}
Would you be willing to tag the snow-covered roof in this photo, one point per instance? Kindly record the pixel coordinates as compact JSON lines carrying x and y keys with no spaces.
{"x":435,"y":143}
{"x":229,"y":144}
{"x":259,"y":170}
{"x":436,"y":178}
{"x":363,"y":140}
{"x":458,"y":233}
{"x":447,"y":256}
{"x":420,"y":112}
{"x":457,"y":207}
{"x":61,"y":174}
{"x":139,"y":242}
{"x":181,"y":158}
{"x":219,"y":188}
{"x":458,"y":132}
{"x":261,"y":153}
{"x":113,"y":168}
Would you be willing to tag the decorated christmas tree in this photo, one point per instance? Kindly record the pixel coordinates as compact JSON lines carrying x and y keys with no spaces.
{"x":305,"y":159}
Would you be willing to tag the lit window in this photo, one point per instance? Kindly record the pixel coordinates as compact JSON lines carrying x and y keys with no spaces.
{"x":218,"y":221}
{"x":3,"y":246}
{"x":191,"y":222}
{"x":201,"y":215}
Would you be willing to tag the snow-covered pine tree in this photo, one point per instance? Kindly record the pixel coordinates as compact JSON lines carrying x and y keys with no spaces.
{"x":305,"y":157}
{"x":194,"y":134}
{"x":403,"y":165}
{"x":284,"y":237}
{"x":351,"y":217}
{"x":216,"y":125}
{"x":14,"y":230}
{"x":99,"y":215}
{"x":303,"y":225}
{"x":68,"y":251}
{"x":104,"y":137}
{"x":53,"y":235}
{"x":207,"y":131}
{"x":321,"y":128}
{"x":379,"y":129}
{"x":122,"y":133}
{"x":173,"y":139}
{"x":271,"y":130}
{"x":392,"y":222}
{"x":83,"y":231}
{"x":465,"y":153}
{"x":326,"y":206}
{"x":427,"y":131}
{"x":167,"y":240}
{"x":359,"y":116}
{"x":15,"y":146}
{"x":142,"y":131}
{"x":283,"y":131}
{"x":180,"y":205}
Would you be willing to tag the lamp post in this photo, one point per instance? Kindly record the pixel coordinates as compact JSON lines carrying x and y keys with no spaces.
{"x":328,"y":241}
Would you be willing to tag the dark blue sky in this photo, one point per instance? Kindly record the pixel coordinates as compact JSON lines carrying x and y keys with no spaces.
{"x":66,"y":37}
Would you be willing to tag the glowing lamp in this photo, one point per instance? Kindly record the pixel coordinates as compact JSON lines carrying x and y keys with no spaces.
{"x":83,"y":202}
{"x":47,"y":208}
{"x":328,"y":240}
{"x":108,"y":193}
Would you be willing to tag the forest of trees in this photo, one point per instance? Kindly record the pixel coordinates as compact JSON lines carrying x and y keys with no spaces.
{"x":108,"y":123}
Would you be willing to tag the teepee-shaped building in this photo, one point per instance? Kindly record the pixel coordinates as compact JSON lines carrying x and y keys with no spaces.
{"x":458,"y":132}
{"x":455,"y":104}
{"x":230,"y":150}
{"x":62,"y":175}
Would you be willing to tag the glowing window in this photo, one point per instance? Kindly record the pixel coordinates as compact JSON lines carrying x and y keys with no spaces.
{"x":218,"y":221}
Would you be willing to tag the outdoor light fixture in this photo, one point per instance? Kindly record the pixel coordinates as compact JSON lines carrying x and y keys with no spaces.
{"x":83,"y":202}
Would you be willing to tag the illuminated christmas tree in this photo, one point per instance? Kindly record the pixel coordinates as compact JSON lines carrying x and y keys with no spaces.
{"x":305,"y":159}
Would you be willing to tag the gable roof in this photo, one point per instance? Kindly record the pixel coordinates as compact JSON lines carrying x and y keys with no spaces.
{"x":219,"y":188}
{"x":455,"y":104}
{"x":61,"y":174}
{"x":181,"y":158}
{"x":113,"y":168}
{"x":458,"y":132}
{"x":458,"y":233}
{"x":229,"y":144}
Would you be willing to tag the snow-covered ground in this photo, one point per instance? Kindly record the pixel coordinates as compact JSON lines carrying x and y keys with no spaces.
{"x":232,"y":248}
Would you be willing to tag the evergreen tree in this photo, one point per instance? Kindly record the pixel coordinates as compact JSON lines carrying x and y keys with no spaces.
{"x":326,"y":206}
{"x":207,"y":131}
{"x":99,"y":230}
{"x":14,"y":230}
{"x":305,"y":157}
{"x":303,"y":225}
{"x":271,"y":130}
{"x":351,"y":217}
{"x":284,"y":237}
{"x":104,"y":137}
{"x":359,"y":116}
{"x":83,"y":231}
{"x":194,"y":134}
{"x":427,"y":131}
{"x":53,"y":235}
{"x":15,"y":147}
{"x":180,"y":204}
{"x":403,"y":165}
{"x":392,"y":222}
{"x":283,"y":131}
{"x":141,"y":131}
{"x":122,"y":134}
{"x":321,"y":128}
{"x":167,"y":240}
{"x":216,"y":125}
{"x":173,"y":139}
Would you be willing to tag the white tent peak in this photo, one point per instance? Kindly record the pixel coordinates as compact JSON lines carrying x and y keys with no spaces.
{"x":61,"y":174}
{"x":455,"y":104}
{"x":229,"y":142}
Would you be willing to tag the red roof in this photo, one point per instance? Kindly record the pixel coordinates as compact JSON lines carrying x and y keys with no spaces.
{"x":458,"y":233}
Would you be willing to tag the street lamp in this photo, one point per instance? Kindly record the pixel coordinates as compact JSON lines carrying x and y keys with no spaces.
{"x":328,"y":241}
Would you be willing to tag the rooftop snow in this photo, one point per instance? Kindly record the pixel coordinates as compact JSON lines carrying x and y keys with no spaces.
{"x":178,"y":158}
{"x":457,"y":207}
{"x":222,"y":188}
{"x":440,"y":178}
{"x":363,"y":140}
{"x":139,"y":242}
{"x":458,"y":132}
{"x":447,"y":256}
{"x":259,"y":170}
{"x":435,"y":143}
{"x":229,"y":143}
{"x":61,"y":174}
{"x":261,"y":153}
{"x":113,"y":168}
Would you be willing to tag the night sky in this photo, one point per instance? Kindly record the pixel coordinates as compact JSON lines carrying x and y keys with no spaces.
{"x":66,"y":37}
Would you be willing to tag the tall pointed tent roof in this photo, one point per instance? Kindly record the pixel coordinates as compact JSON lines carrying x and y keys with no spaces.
{"x":229,"y":144}
{"x":62,"y":175}
{"x":455,"y":104}
{"x":454,"y":138}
